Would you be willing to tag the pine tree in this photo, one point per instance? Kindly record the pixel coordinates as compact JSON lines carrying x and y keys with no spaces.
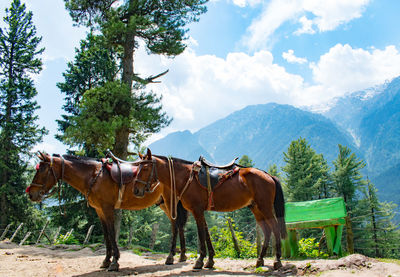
{"x":376,"y":234}
{"x":347,"y":179}
{"x":19,"y":61}
{"x":307,"y":173}
{"x":159,"y":24}
{"x":94,"y":65}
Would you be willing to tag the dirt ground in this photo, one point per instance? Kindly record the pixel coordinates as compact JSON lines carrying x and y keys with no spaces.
{"x":74,"y":261}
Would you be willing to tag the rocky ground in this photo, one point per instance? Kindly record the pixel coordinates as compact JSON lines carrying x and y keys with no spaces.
{"x":76,"y":261}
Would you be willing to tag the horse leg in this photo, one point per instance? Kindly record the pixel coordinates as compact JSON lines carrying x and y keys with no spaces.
{"x":278,"y":254}
{"x":267,"y":234}
{"x":211,"y":252}
{"x":200,"y":221}
{"x":182,"y":257}
{"x":109,"y":215}
{"x":170,"y":258}
{"x":106,"y":262}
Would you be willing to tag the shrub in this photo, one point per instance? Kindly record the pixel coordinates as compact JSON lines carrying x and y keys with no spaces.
{"x":223,"y":243}
{"x":310,"y":249}
{"x":65,"y":239}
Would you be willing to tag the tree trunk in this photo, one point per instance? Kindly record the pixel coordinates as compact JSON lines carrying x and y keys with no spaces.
{"x":154,"y":235}
{"x":234,"y":239}
{"x":349,"y":235}
{"x":121,"y":144}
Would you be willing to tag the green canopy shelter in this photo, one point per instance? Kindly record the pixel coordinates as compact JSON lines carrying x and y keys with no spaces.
{"x":329,"y":214}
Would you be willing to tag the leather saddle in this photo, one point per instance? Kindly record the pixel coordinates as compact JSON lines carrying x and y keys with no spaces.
{"x":211,"y":175}
{"x":209,"y":164}
{"x":122,"y":172}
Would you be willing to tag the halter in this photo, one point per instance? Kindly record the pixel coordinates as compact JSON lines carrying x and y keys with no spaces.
{"x":153,"y":175}
{"x":42,"y":187}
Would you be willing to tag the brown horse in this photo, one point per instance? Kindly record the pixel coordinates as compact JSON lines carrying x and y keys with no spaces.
{"x":250,"y":187}
{"x":89,"y":177}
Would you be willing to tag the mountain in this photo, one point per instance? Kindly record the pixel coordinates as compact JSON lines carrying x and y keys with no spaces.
{"x":263,"y":132}
{"x":367,"y":121}
{"x":372,"y":117}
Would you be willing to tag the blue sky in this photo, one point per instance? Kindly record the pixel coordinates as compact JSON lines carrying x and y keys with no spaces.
{"x":242,"y":52}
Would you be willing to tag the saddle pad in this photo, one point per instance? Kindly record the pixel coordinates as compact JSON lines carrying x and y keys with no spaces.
{"x":217,"y":175}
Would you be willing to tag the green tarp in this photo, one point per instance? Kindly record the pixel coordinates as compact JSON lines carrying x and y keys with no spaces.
{"x":316,"y":210}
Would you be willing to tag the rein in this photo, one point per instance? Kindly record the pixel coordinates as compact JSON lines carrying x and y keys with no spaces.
{"x":174,"y":201}
{"x":59,"y":181}
{"x":153,"y":175}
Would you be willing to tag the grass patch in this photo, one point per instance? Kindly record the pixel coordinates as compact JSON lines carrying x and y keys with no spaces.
{"x":386,"y":260}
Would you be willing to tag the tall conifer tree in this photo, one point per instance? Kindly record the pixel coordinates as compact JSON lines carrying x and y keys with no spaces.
{"x":19,"y":61}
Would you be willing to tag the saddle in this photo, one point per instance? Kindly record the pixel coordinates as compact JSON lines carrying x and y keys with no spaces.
{"x":209,"y":164}
{"x":210,"y":176}
{"x":122,"y":172}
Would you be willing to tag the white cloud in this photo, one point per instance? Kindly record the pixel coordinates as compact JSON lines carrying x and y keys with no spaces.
{"x":307,"y":26}
{"x":201,"y":89}
{"x":244,"y":3}
{"x":324,"y":15}
{"x":345,"y":69}
{"x":291,"y":58}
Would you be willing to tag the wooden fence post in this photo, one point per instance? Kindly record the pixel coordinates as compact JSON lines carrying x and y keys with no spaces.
{"x":41,"y":232}
{"x":56,"y":234}
{"x":67,"y":235}
{"x":25,"y":238}
{"x":89,"y":233}
{"x":5,"y":232}
{"x":16,"y":231}
{"x":234,"y":239}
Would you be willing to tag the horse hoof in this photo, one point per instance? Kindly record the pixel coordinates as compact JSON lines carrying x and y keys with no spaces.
{"x":260,"y":263}
{"x":182,"y":259}
{"x":209,"y":264}
{"x":113,"y":267}
{"x":198,"y":265}
{"x":277,"y":265}
{"x":169,"y":260}
{"x":105,"y":264}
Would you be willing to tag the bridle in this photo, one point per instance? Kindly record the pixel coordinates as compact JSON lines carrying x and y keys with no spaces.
{"x":42,"y":192}
{"x":153,"y":176}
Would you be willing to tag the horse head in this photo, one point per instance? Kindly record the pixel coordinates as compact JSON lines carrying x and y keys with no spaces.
{"x":146,"y":175}
{"x":45,"y":178}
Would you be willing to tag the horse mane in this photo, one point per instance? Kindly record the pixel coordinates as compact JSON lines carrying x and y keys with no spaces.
{"x":174,"y":159}
{"x":81,"y":159}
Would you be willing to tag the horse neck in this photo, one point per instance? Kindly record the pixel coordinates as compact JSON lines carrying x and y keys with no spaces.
{"x":77,"y":175}
{"x":165,"y":177}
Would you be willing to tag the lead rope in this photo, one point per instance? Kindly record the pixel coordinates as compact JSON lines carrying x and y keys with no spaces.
{"x":59,"y":186}
{"x":173,"y":206}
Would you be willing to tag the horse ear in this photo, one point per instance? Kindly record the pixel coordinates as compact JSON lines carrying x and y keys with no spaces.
{"x":148,"y":154}
{"x":140,"y":156}
{"x":41,"y":156}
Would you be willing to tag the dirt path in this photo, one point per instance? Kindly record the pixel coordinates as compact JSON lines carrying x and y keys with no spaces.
{"x":36,"y":261}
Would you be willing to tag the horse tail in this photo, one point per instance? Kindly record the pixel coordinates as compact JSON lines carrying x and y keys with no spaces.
{"x":279,"y":206}
{"x":182,"y":216}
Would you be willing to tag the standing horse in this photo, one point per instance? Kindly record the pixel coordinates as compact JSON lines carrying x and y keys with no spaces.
{"x":89,"y":177}
{"x":250,"y":187}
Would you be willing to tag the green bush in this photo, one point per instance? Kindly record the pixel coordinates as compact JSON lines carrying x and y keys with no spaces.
{"x":310,"y":249}
{"x":223,"y":243}
{"x":65,"y":239}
